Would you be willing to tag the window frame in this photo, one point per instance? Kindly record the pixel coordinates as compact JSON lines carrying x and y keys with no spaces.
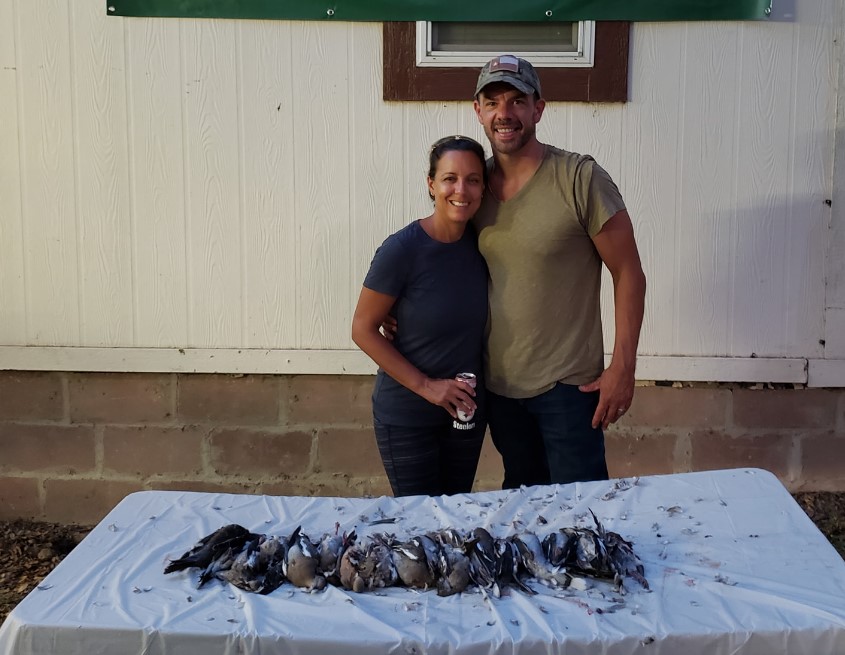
{"x":403,"y":80}
{"x":583,"y":57}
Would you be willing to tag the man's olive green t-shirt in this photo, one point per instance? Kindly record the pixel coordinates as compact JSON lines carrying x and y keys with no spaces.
{"x":545,"y":276}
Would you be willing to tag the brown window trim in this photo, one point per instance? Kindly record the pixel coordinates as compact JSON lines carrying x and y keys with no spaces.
{"x":607,"y":81}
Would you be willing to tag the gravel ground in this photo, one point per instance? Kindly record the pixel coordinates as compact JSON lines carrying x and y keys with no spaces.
{"x":33,"y":549}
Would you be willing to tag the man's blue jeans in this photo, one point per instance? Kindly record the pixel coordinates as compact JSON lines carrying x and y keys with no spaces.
{"x":548,"y":438}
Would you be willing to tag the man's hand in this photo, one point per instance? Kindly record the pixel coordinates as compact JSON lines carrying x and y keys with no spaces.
{"x":616,"y":391}
{"x":618,"y":251}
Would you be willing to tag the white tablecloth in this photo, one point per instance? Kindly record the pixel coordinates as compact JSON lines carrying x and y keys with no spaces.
{"x":734,"y":566}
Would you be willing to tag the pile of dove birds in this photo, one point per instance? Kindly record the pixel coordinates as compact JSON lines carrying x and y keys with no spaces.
{"x":448,"y":561}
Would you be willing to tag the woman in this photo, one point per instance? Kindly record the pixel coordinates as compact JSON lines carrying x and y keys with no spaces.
{"x":432,"y":279}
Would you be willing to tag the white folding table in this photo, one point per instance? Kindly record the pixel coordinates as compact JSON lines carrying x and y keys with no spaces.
{"x":734,"y":566}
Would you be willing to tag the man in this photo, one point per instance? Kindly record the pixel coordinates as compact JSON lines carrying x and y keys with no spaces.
{"x":548,"y":221}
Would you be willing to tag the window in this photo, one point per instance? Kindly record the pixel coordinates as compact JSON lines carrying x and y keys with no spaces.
{"x":405,"y":79}
{"x":551,"y":44}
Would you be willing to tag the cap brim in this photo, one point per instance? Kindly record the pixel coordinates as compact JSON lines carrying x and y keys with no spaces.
{"x":507,"y":79}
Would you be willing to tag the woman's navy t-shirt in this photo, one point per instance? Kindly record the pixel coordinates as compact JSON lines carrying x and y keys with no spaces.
{"x":441,"y":310}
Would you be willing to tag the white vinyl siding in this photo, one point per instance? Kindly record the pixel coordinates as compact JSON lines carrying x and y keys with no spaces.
{"x":219,"y":187}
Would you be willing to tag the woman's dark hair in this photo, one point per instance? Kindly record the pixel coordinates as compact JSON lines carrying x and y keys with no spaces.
{"x":449,"y":143}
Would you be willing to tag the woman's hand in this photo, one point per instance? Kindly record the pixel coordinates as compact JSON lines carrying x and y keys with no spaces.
{"x":388,"y":327}
{"x":451,"y":395}
{"x":372,"y":312}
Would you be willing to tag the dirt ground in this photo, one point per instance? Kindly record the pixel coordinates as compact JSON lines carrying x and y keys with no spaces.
{"x":31,"y":549}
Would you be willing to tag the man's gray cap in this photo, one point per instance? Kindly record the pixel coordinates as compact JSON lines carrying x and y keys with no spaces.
{"x":512,"y":70}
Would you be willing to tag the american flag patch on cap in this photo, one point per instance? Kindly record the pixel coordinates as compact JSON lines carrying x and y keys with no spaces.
{"x":504,"y":63}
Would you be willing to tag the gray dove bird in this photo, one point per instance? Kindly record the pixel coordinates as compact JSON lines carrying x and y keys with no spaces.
{"x":453,"y":566}
{"x":558,"y":545}
{"x":589,"y":554}
{"x":244,"y":572}
{"x":272,"y":557}
{"x":626,"y":560}
{"x":413,"y":564}
{"x":451,"y":537}
{"x":332,"y":547}
{"x":371,"y":567}
{"x":621,"y":555}
{"x":508,"y":564}
{"x":301,"y":561}
{"x":210,"y":547}
{"x":534,"y":561}
{"x":432,"y":550}
{"x":350,"y":562}
{"x":481,"y":550}
{"x":223,"y":562}
{"x":377,"y":567}
{"x":257,"y":567}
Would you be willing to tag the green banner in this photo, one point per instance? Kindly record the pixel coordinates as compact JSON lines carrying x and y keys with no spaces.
{"x":449,"y":10}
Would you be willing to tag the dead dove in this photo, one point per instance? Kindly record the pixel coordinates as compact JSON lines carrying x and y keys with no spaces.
{"x":350,"y":562}
{"x":481,"y":550}
{"x":534,"y":561}
{"x":272,"y":563}
{"x":301,"y":562}
{"x":432,"y":550}
{"x":589,"y":552}
{"x":413,"y":565}
{"x":244,"y":572}
{"x":377,"y":567}
{"x":372,"y":567}
{"x":331,"y":548}
{"x":217,"y":566}
{"x":557,"y":547}
{"x":453,"y":564}
{"x":210,"y":547}
{"x":508,"y":563}
{"x":621,"y":557}
{"x":451,"y":537}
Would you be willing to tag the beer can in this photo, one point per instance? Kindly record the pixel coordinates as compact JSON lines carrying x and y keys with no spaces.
{"x":470,"y":379}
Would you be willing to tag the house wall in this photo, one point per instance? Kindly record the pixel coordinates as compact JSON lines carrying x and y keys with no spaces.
{"x":218,"y":185}
{"x":181,"y":200}
{"x":73,"y":445}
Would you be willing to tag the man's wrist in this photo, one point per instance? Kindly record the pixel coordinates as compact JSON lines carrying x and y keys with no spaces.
{"x":623,"y":368}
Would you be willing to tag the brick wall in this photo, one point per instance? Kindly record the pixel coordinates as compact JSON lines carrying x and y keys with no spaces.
{"x":73,"y":444}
